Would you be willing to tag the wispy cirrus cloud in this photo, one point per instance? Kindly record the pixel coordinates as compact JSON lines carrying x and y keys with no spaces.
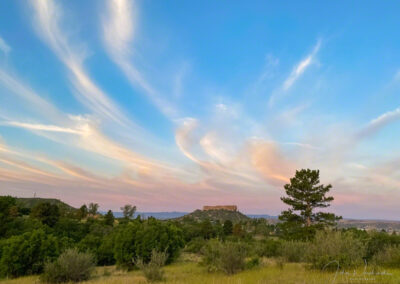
{"x":297,"y":71}
{"x":381,"y":121}
{"x":119,"y":25}
{"x":48,"y":21}
{"x":41,"y":127}
{"x":4,"y":47}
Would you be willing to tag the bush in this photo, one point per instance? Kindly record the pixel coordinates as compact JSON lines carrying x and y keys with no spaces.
{"x":268,"y":248}
{"x":388,"y":257}
{"x":26,"y":254}
{"x":195,"y":245}
{"x":232,"y":258}
{"x":211,"y":254}
{"x":71,"y":265}
{"x":293,"y":251}
{"x":152,"y":270}
{"x":331,"y":250}
{"x":253,"y":262}
{"x":228,"y":257}
{"x":137,"y":239}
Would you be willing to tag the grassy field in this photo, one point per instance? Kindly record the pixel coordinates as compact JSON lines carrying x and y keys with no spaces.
{"x":193,"y":273}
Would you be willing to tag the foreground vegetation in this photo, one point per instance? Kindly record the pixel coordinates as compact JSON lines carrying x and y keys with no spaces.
{"x":188,"y":271}
{"x":57,"y":244}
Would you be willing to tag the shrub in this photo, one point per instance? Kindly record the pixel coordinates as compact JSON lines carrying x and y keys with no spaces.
{"x":26,"y":254}
{"x":137,"y":239}
{"x":71,"y":265}
{"x":293,"y":251}
{"x":378,"y":241}
{"x":153,"y":269}
{"x":253,"y":262}
{"x":331,"y":250}
{"x":268,"y":248}
{"x":228,"y":257}
{"x":195,"y":245}
{"x":211,"y":254}
{"x":388,"y":257}
{"x":232,"y":258}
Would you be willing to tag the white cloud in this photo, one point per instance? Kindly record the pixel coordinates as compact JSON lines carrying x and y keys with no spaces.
{"x":300,"y":68}
{"x":380,"y":122}
{"x":4,"y":47}
{"x":296,"y":73}
{"x":118,"y":30}
{"x":48,"y":18}
{"x":41,"y":127}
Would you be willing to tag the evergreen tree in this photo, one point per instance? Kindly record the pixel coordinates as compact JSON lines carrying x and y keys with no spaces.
{"x":228,"y":227}
{"x":305,"y":194}
{"x":109,"y":218}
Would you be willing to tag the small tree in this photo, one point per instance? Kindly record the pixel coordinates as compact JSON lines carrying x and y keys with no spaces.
{"x":82,"y":212}
{"x":128,"y":211}
{"x":93,"y":209}
{"x":109,"y":218}
{"x":304,"y":195}
{"x":228,"y":227}
{"x":47,"y":213}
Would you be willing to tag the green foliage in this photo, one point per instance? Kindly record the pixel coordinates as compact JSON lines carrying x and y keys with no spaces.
{"x":389,"y":256}
{"x":228,"y":257}
{"x":93,"y":209}
{"x":71,"y":265}
{"x":268,"y":248}
{"x":206,"y":229}
{"x":47,"y":213}
{"x":82,"y":212}
{"x":7,"y":205}
{"x":137,"y":239}
{"x":253,"y":262}
{"x":228,"y":227}
{"x":109,"y":218}
{"x":195,"y":245}
{"x":27,"y":253}
{"x":128,"y":211}
{"x":293,"y":251}
{"x":216,"y":215}
{"x":29,"y":203}
{"x":153,"y":269}
{"x":378,"y":241}
{"x":332,"y":249}
{"x":304,"y":195}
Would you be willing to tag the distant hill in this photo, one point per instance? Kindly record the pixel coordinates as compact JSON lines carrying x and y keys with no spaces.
{"x":214,"y":215}
{"x":31,"y":202}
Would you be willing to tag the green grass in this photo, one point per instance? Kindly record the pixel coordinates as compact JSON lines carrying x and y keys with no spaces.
{"x":191,"y":272}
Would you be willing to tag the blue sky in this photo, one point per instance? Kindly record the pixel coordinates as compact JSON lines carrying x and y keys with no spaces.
{"x":171,"y":105}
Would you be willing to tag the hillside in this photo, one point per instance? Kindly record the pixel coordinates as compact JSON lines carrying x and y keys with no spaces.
{"x":31,"y":202}
{"x":214,"y":215}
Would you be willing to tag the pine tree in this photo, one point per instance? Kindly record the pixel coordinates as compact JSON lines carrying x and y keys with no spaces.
{"x":305,"y":194}
{"x":109,"y":218}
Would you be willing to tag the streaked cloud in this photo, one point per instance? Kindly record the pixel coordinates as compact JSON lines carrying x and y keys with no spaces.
{"x":4,"y":47}
{"x":301,"y":67}
{"x":381,"y":121}
{"x":118,"y":33}
{"x":297,"y":71}
{"x":48,"y":21}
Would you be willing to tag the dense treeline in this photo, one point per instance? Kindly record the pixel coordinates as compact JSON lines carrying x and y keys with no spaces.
{"x":30,"y":238}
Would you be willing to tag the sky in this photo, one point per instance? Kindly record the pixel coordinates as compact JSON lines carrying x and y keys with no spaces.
{"x":172,"y":105}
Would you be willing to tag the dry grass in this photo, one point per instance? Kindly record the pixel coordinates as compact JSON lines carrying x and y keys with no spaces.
{"x":191,"y":272}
